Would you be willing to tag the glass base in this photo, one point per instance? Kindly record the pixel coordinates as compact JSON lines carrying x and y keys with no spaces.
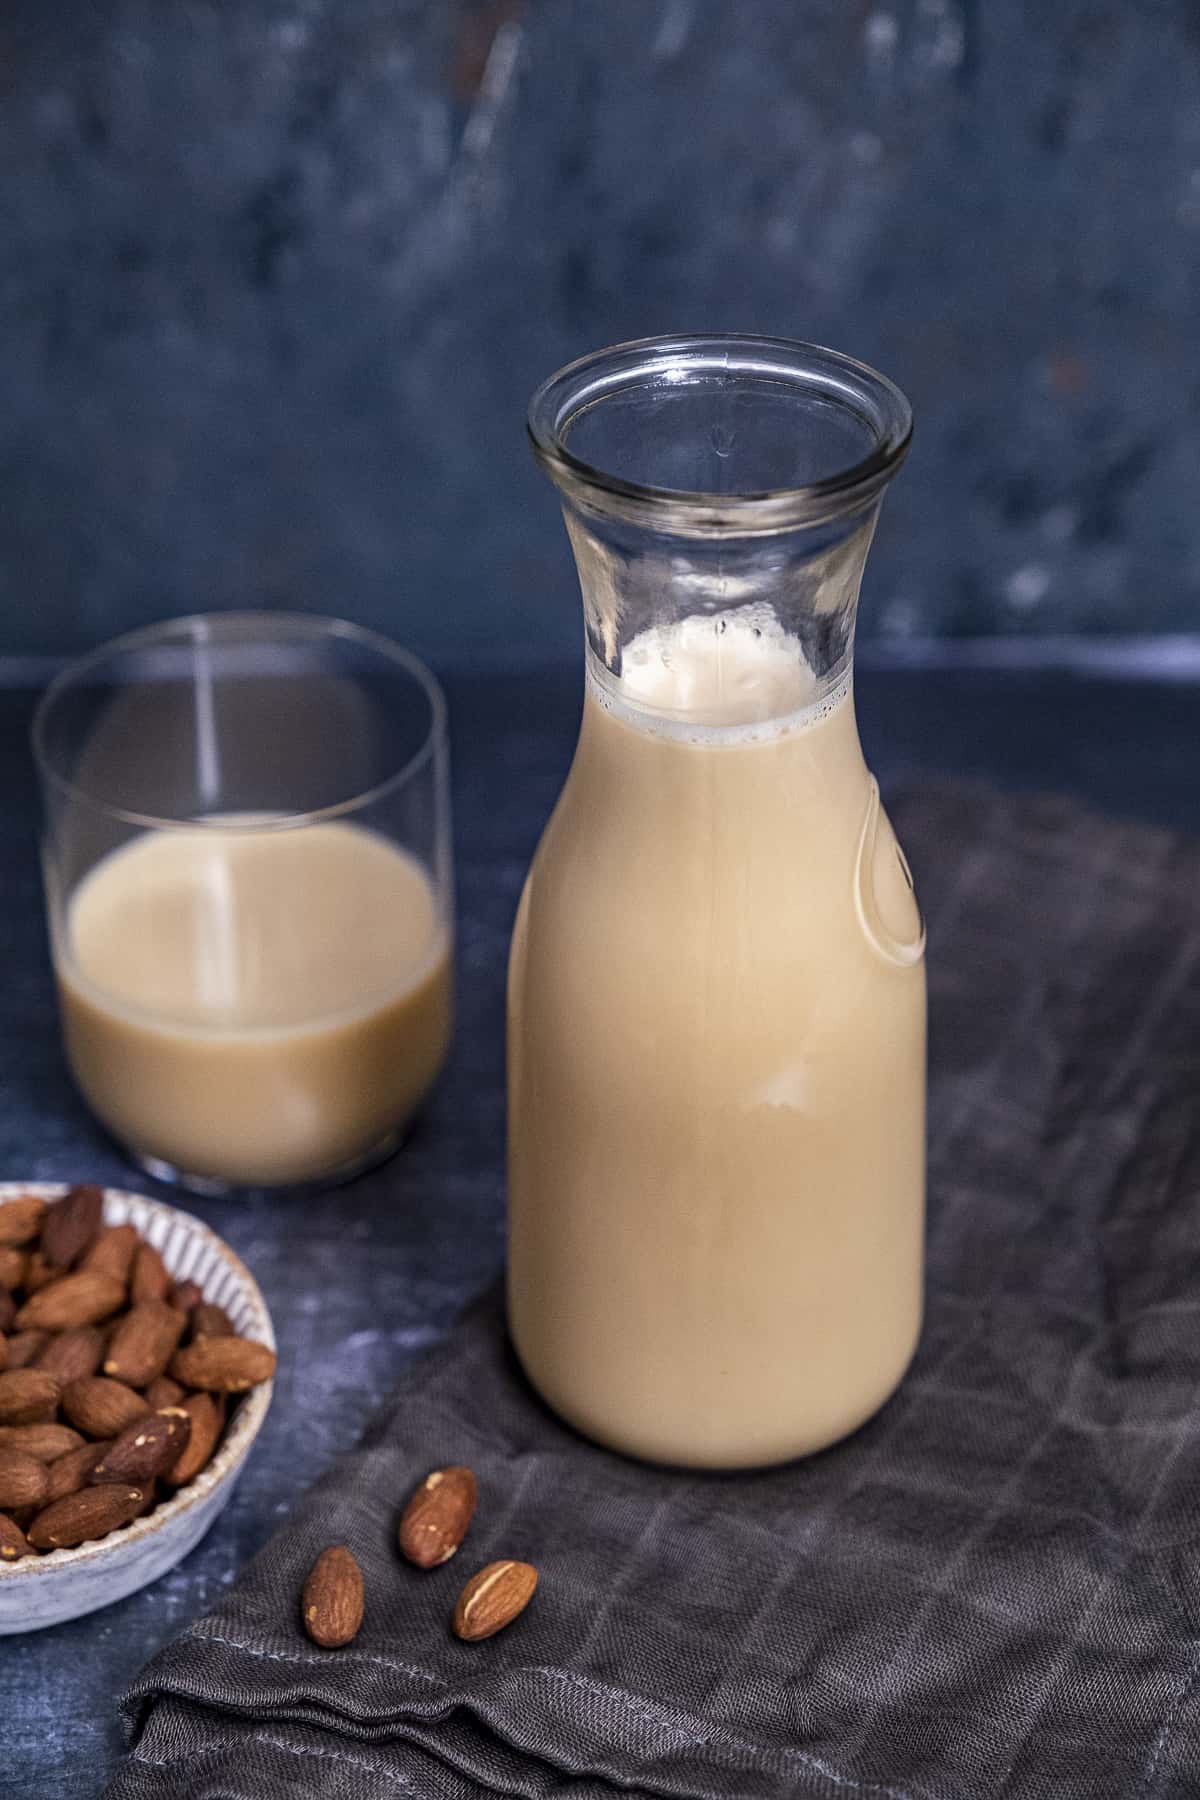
{"x":211,"y":1187}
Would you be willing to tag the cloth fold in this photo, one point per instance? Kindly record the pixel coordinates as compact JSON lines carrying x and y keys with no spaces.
{"x":990,"y":1592}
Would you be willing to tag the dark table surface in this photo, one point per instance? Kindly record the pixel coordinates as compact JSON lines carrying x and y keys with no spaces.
{"x":361,"y":1280}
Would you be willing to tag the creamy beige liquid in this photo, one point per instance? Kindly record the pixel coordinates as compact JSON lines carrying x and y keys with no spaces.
{"x":717,"y":1067}
{"x":257,"y":1006}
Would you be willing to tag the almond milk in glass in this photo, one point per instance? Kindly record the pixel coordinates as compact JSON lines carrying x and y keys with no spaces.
{"x":716,"y":987}
{"x":247,"y":861}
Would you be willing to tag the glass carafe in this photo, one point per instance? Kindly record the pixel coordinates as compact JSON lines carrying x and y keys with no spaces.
{"x":716,"y":990}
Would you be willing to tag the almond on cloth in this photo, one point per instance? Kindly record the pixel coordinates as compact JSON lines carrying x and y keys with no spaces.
{"x":226,"y":1365}
{"x":142,"y":1344}
{"x":332,"y":1605}
{"x":146,"y":1448}
{"x":23,"y":1480}
{"x":71,"y":1225}
{"x":493,"y":1599}
{"x":207,"y":1414}
{"x":84,"y":1298}
{"x":21,"y":1219}
{"x":92,"y":1512}
{"x":435,"y":1521}
{"x":27,"y":1396}
{"x":101,"y":1407}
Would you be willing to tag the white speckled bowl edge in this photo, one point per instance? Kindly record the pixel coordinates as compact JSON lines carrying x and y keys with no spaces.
{"x":40,"y":1591}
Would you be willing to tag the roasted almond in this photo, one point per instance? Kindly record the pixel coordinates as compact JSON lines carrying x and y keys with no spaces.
{"x":22,"y":1480}
{"x":493,"y":1599}
{"x":91,"y":1321}
{"x":435,"y":1521}
{"x":91,"y":1513}
{"x":71,"y":1225}
{"x":67,"y":1474}
{"x":73,"y":1354}
{"x":46,"y":1442}
{"x":151,"y":1279}
{"x":223,"y":1365}
{"x":208,"y":1320}
{"x":332,"y":1606}
{"x":207,"y":1413}
{"x":21,"y":1219}
{"x":84,"y":1298}
{"x":162,"y":1391}
{"x":13,"y":1265}
{"x":24,"y":1347}
{"x":13,"y":1542}
{"x":40,"y":1273}
{"x":141,"y":1345}
{"x":113,"y":1253}
{"x":101,"y":1407}
{"x":146,"y":1448}
{"x":27,"y":1396}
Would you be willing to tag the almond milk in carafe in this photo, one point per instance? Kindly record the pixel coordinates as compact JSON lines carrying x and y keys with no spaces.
{"x":716,"y":992}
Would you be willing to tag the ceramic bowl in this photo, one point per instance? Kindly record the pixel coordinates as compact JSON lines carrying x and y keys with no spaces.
{"x":45,"y":1590}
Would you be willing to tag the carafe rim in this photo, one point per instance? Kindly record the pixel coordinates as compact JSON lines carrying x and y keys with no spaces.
{"x":815,"y":372}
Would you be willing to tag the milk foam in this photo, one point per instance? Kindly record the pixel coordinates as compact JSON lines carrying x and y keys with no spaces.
{"x":715,"y":678}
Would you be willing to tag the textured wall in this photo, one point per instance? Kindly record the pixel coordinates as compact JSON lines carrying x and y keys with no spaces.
{"x":276,"y":278}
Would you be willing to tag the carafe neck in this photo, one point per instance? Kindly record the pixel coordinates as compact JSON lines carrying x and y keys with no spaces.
{"x":720,"y":495}
{"x":735,"y":631}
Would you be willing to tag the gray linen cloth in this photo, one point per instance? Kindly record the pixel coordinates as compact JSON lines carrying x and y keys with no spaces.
{"x":992,"y":1590}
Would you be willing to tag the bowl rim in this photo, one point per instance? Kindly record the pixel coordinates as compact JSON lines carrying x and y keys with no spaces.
{"x":238,"y":1438}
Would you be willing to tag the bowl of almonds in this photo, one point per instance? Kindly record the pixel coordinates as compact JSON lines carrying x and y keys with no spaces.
{"x":136,"y":1364}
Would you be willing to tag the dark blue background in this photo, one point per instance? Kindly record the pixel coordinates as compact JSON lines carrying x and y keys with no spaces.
{"x":276,"y":279}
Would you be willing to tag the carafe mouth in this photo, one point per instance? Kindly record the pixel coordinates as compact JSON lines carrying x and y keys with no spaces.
{"x":720,"y":435}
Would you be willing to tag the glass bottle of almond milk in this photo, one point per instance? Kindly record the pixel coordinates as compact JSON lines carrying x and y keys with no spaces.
{"x":717,"y":989}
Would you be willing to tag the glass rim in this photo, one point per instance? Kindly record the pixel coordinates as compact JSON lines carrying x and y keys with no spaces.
{"x":312,"y":625}
{"x":601,"y":374}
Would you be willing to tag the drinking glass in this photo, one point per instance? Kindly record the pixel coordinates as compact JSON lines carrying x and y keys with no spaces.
{"x":247,"y":862}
